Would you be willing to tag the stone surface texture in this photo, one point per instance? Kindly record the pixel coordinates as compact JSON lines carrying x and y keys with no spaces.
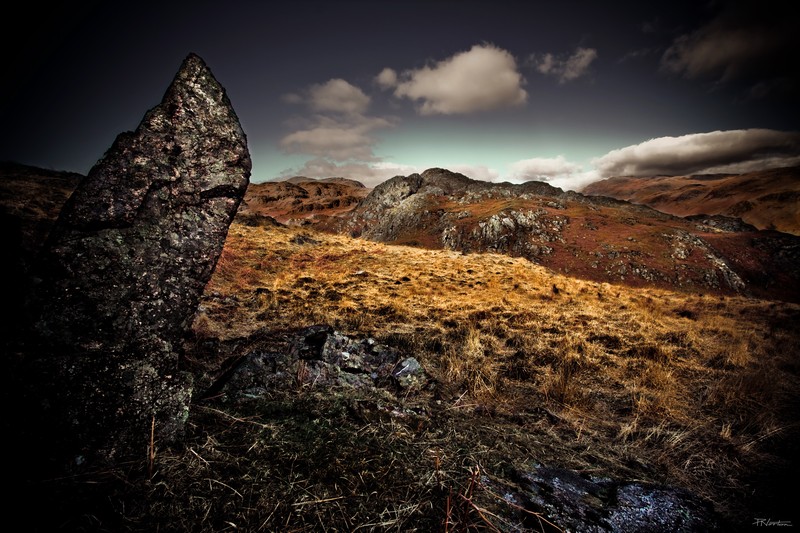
{"x":126,"y":264}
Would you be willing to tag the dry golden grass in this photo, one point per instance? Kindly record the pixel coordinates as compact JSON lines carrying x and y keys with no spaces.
{"x":530,"y":367}
{"x":699,"y":388}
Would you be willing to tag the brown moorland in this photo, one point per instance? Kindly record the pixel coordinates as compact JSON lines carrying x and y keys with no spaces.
{"x":527,"y":366}
{"x":595,"y":238}
{"x":767,"y":199}
{"x":699,"y":391}
{"x":301,"y":199}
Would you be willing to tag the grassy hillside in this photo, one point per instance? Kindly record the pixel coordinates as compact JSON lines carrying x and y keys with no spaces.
{"x":527,"y":367}
{"x":692,"y":390}
{"x":767,"y":199}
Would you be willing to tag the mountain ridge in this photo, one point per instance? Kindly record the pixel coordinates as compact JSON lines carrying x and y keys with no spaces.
{"x":299,"y":199}
{"x":766,"y":199}
{"x":599,"y":238}
{"x":332,"y":179}
{"x":592,"y":237}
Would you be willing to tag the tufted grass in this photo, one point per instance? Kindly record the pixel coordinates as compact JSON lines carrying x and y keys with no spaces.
{"x":698,"y":391}
{"x":643,"y":376}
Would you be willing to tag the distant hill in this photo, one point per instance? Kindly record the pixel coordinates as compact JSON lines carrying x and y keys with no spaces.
{"x":590,"y":237}
{"x":303,"y":179}
{"x":300,"y":199}
{"x":768,"y":199}
{"x":30,"y":199}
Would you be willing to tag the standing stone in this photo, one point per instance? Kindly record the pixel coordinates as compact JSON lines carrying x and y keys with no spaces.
{"x":126,"y":264}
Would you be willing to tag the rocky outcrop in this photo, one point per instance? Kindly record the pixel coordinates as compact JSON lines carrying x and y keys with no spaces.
{"x":397,"y":209}
{"x":125,"y":265}
{"x":720,"y":223}
{"x":316,"y":356}
{"x":579,"y":503}
{"x":591,"y":237}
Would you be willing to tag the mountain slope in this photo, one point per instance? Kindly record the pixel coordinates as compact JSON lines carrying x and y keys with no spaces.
{"x":527,"y":367}
{"x":30,"y":199}
{"x":768,"y":199}
{"x":301,"y":199}
{"x":595,"y":238}
{"x":589,"y":237}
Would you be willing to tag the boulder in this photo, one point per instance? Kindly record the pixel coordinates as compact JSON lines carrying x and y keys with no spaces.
{"x":316,"y":356}
{"x":571,"y":501}
{"x":125,"y":265}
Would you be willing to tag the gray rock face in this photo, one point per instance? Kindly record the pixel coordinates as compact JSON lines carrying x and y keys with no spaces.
{"x":589,"y":237}
{"x":126,"y":263}
{"x":318,"y":356}
{"x":410,"y":209}
{"x":582,"y":504}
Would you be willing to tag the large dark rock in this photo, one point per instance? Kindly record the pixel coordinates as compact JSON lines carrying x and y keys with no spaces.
{"x":570,"y":501}
{"x":126,"y":263}
{"x":316,"y":356}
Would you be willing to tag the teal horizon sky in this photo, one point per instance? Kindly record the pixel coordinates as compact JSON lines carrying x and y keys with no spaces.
{"x":565,"y":92}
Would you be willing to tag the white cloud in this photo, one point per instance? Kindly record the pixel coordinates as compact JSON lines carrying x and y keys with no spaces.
{"x":340,"y":129}
{"x":337,"y":96}
{"x":542,"y":169}
{"x":390,"y":170}
{"x":751,"y":149}
{"x":386,"y":79}
{"x":575,"y":182}
{"x":556,"y":171}
{"x":567,"y":68}
{"x":480,"y":79}
{"x":370,"y":174}
{"x":338,"y":143}
{"x":476,"y":172}
{"x":341,"y":139}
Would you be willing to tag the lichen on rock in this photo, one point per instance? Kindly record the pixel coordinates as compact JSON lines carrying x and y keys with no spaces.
{"x":126,"y":263}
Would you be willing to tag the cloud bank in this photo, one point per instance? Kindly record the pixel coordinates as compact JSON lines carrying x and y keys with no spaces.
{"x":732,"y":151}
{"x":337,"y":138}
{"x":557,"y":171}
{"x":340,"y":130}
{"x":542,"y":169}
{"x":565,"y":68}
{"x":480,"y":79}
{"x":746,"y":41}
{"x":370,"y":174}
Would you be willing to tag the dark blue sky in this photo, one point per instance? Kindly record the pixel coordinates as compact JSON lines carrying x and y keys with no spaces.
{"x":497,"y":90}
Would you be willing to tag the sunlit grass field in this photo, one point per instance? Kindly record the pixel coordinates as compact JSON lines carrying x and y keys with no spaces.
{"x":694,"y":390}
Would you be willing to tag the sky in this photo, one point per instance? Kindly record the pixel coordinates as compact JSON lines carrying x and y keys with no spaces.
{"x":565,"y":92}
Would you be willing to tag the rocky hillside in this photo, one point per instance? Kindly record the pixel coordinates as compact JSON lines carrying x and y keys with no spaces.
{"x":301,"y":200}
{"x":362,"y":386}
{"x":595,"y":238}
{"x":768,"y":199}
{"x":590,"y":237}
